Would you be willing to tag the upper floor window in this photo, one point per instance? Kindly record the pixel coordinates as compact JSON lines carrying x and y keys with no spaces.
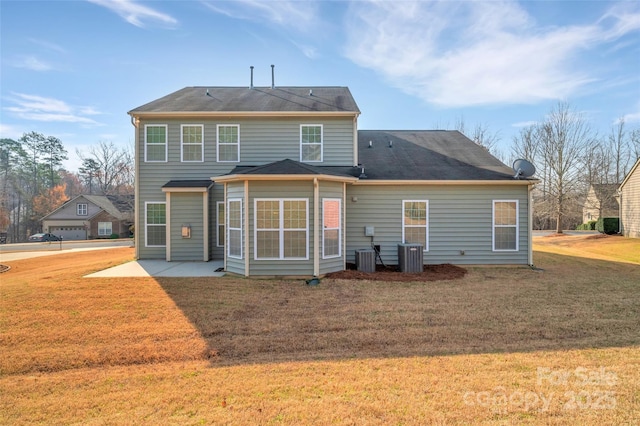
{"x":228,"y":142}
{"x":192,"y":146}
{"x":311,"y":142}
{"x":415,"y":222}
{"x":505,"y":225}
{"x":82,"y":209}
{"x":155,"y":142}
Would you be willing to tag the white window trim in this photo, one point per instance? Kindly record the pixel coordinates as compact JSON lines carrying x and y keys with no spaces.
{"x":426,"y":237}
{"x":146,"y":225}
{"x":218,"y":224}
{"x":280,"y":229}
{"x":218,"y":143}
{"x":86,"y":209}
{"x":110,"y":229}
{"x":339,"y":228}
{"x":321,"y":143}
{"x":494,"y":226}
{"x":182,"y":143}
{"x":229,"y":229}
{"x":166,"y":143}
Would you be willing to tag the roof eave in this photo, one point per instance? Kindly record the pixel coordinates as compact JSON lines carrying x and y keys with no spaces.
{"x":445,"y":182}
{"x":198,"y":114}
{"x":281,"y":177}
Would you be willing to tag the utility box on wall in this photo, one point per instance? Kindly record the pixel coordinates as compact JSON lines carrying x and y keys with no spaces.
{"x":366,"y":260}
{"x":410,"y":258}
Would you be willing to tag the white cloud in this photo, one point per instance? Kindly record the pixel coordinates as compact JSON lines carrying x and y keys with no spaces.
{"x":39,"y":108}
{"x":298,"y":15}
{"x":524,"y":124}
{"x":10,"y":132}
{"x":457,"y":54}
{"x":48,"y":45}
{"x":32,"y":63}
{"x":137,"y":14}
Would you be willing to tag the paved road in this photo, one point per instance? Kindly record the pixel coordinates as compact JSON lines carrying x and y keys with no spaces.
{"x":537,"y":233}
{"x":66,"y":245}
{"x":19,"y":251}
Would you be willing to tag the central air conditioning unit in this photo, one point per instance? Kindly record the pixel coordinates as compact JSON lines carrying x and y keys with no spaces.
{"x":366,"y":260}
{"x":410,"y":258}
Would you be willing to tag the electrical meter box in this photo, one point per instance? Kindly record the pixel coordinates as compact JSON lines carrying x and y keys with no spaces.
{"x":369,"y":231}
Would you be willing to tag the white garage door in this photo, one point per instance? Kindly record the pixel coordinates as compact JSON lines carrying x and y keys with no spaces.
{"x":69,"y":232}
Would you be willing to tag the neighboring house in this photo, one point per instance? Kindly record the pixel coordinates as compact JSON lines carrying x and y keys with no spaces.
{"x":91,"y":216}
{"x":601,"y":202}
{"x":280,"y":182}
{"x":629,"y":194}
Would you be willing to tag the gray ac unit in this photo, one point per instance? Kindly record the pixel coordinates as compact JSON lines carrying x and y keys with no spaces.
{"x":410,"y":258}
{"x":366,"y":260}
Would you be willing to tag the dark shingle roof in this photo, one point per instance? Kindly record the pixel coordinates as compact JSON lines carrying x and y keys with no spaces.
{"x":203,"y":183}
{"x":258,"y":99}
{"x":427,"y":155}
{"x":292,"y":167}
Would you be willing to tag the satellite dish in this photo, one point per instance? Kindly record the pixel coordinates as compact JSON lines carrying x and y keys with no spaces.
{"x":523,"y":169}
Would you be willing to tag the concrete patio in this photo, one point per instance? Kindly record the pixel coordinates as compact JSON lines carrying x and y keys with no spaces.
{"x":161,"y":268}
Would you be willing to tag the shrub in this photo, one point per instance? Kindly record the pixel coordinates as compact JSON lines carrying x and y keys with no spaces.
{"x":608,"y":225}
{"x":114,"y":236}
{"x":592,"y":225}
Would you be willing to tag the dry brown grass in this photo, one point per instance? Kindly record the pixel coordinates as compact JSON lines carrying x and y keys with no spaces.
{"x":234,"y":351}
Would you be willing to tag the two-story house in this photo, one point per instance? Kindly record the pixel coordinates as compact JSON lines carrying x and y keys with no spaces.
{"x":280,"y":182}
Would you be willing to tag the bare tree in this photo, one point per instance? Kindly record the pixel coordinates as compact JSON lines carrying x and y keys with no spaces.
{"x":620,"y":150}
{"x":111,"y":167}
{"x":564,"y":136}
{"x":634,"y":144}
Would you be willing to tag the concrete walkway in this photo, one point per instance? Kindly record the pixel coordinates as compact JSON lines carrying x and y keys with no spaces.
{"x":161,"y":268}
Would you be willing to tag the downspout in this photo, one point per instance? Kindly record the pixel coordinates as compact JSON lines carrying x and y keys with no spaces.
{"x":246,"y":228}
{"x":225,"y":247}
{"x":136,"y":189}
{"x":205,"y":224}
{"x":530,"y":193}
{"x":344,"y":226}
{"x":355,"y":140}
{"x":316,"y":228}
{"x":168,"y":226}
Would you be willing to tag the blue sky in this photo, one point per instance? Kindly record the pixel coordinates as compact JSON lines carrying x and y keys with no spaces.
{"x":72,"y":69}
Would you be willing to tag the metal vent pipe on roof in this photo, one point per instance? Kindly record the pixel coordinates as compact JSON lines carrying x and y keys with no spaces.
{"x":251,"y":87}
{"x":273,"y":78}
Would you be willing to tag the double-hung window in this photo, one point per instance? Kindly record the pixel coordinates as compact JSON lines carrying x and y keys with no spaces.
{"x":220,"y":223}
{"x":82,"y":209}
{"x":415,"y":222}
{"x":311,"y":143}
{"x":234,"y":222}
{"x":281,"y":229}
{"x":505,"y":225}
{"x":155,"y":224}
{"x":331,"y":246}
{"x":192,"y":142}
{"x":155,"y":142}
{"x":228,"y":143}
{"x":104,"y":229}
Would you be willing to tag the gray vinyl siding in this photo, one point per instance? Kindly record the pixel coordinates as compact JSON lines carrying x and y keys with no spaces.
{"x":630,"y":205}
{"x":331,"y":190}
{"x":187,"y":209}
{"x":460,"y":219}
{"x":279,"y":190}
{"x":70,"y":211}
{"x":262,"y":141}
{"x":235,"y":190}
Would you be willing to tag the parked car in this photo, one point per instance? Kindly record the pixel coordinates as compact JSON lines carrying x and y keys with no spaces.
{"x":44,"y":237}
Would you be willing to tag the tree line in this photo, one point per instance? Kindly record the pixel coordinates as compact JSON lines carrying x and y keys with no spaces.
{"x":33,"y":182}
